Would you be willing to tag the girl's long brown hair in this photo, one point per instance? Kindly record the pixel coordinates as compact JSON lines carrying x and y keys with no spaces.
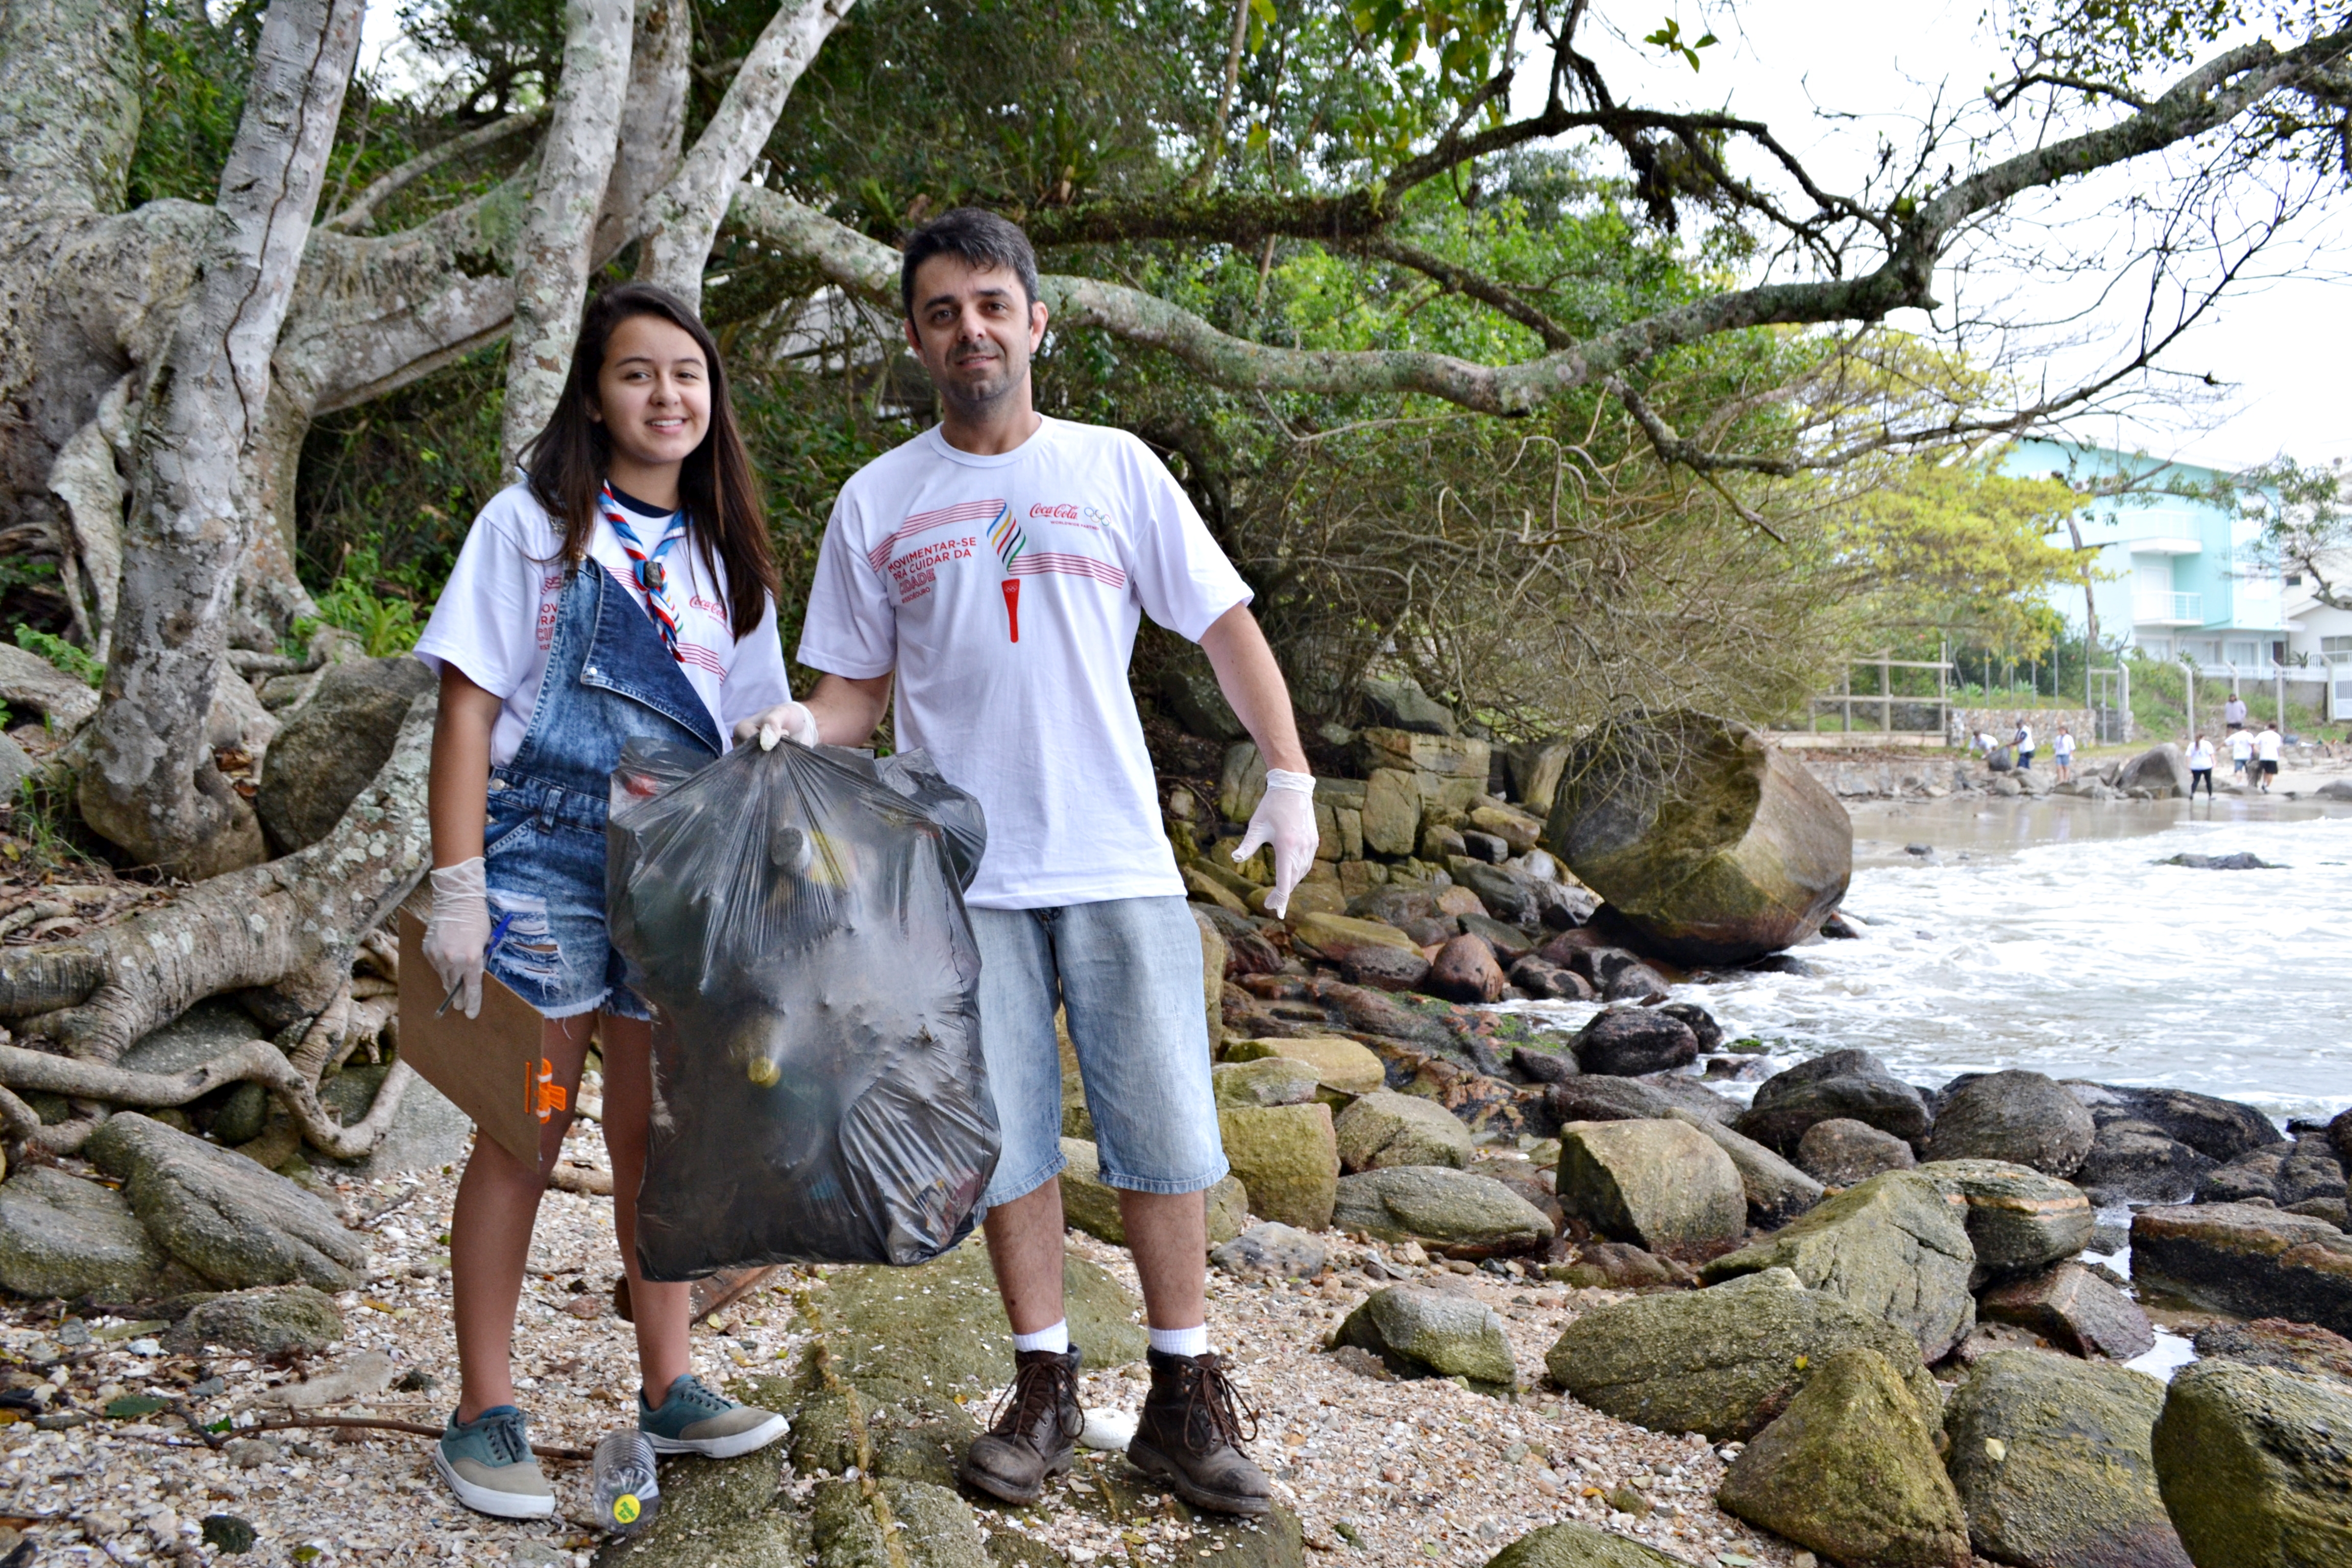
{"x":568,"y":461}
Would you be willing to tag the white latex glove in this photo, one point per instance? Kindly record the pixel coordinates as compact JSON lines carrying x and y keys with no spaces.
{"x":1286,"y":819}
{"x":458,"y":932}
{"x":785,"y":719}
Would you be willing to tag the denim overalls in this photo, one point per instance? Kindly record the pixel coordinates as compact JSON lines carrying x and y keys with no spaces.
{"x":609,"y":680}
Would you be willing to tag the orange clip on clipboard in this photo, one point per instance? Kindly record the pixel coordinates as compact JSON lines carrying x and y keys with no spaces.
{"x":480,"y":1063}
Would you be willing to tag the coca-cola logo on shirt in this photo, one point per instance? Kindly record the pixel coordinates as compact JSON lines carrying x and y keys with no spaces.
{"x":717,"y":611}
{"x":1059,"y":511}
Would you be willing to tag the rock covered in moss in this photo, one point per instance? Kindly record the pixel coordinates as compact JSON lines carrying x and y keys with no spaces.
{"x":2255,"y":1466}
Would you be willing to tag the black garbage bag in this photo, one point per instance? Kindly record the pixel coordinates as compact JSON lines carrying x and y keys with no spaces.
{"x":795,"y":919}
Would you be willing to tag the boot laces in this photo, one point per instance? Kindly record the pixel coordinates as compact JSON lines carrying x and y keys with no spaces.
{"x":1210,"y":1393}
{"x":1038,"y":1387}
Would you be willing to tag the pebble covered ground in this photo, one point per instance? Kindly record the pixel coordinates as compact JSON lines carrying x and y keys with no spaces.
{"x":1382,"y":1473}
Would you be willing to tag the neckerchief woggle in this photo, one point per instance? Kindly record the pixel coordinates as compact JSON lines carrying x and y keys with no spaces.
{"x":652,"y":576}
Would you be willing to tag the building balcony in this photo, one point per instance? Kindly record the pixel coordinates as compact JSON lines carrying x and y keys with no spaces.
{"x":2168,"y":609}
{"x":2166,"y":544}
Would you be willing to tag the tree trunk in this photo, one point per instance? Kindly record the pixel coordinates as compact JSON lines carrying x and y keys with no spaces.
{"x":652,"y":120}
{"x":151,"y":785}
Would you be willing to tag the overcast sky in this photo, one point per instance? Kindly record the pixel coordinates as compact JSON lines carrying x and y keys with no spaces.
{"x":2280,"y":349}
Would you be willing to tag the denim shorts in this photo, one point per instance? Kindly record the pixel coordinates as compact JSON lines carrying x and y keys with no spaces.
{"x":543,"y":856}
{"x":1128,"y":972}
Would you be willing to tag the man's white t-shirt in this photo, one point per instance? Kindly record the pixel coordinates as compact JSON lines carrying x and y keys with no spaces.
{"x":2241,"y":746}
{"x":496,"y":616}
{"x":1005,"y":592}
{"x":2266,"y":745}
{"x":2025,"y":737}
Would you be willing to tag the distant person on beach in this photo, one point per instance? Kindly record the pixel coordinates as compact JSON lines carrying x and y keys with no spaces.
{"x":2242,"y":750}
{"x":2062,"y":753}
{"x":2266,"y":755}
{"x":2023,"y":742}
{"x":2201,"y":767}
{"x":2233,"y":712}
{"x":1991,"y":750}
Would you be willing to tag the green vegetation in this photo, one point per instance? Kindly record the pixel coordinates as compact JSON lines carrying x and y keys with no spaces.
{"x":75,"y":662}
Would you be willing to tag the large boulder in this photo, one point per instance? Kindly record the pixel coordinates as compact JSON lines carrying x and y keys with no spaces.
{"x":1662,"y":1185}
{"x":1425,"y":1332}
{"x":1383,"y":1129}
{"x":2276,"y":1342}
{"x":2024,"y":1118}
{"x":1853,"y":1085}
{"x":1713,"y":845}
{"x":2075,"y":1309}
{"x":1403,"y":705}
{"x":221,"y":1215}
{"x":1892,"y":1246}
{"x":2160,"y":768}
{"x":2253,"y":1261}
{"x":2133,"y":1161}
{"x":1626,"y":1042}
{"x":1464,"y":970}
{"x":1342,"y":1067}
{"x":1452,"y":1211}
{"x":1777,"y":1190}
{"x":274,"y":1321}
{"x":2255,"y":1466}
{"x":1266,"y":1080}
{"x":1841,"y":1152}
{"x":2216,"y":1127}
{"x":2053,"y":1464}
{"x":1850,"y":1469}
{"x":63,"y":1237}
{"x":334,"y":745}
{"x":1286,"y":1158}
{"x":2019,"y":1220}
{"x":1569,"y":1544}
{"x":1724,"y":1361}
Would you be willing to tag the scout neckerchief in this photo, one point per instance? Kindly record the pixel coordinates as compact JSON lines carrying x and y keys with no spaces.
{"x":651,"y":575}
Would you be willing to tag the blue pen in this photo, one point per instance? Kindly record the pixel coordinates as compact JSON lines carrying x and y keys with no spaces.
{"x":498,"y":935}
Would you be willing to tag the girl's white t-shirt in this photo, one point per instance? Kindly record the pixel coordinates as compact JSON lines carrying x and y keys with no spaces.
{"x":1004,"y":590}
{"x":496,"y":616}
{"x":2200,"y":755}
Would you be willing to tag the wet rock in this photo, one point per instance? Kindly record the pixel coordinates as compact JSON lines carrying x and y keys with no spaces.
{"x":1572,"y":1545}
{"x":2216,"y":1127}
{"x":1287,"y":1158}
{"x":939,"y":1329}
{"x":1421,"y":1332}
{"x":1777,"y":1190}
{"x":1342,"y":1067}
{"x":1702,"y":1023}
{"x":1850,"y":1469}
{"x":2075,"y":1309}
{"x":2160,"y":767}
{"x":1620,"y":1266}
{"x":1506,"y":896}
{"x":1891,"y":1247}
{"x":1385,"y":968}
{"x":1662,"y":1185}
{"x":221,"y":1215}
{"x":1599,"y":1097}
{"x":1454,"y":1211}
{"x":921,"y":1526}
{"x":1377,"y":1013}
{"x":1688,"y":1093}
{"x":1465,"y":970}
{"x":1268,"y":1080}
{"x":1510,"y":944}
{"x":2023,"y":1117}
{"x":1383,"y":1129}
{"x":1841,"y":1152}
{"x":275,"y":1320}
{"x":2255,"y":1466}
{"x":1545,"y":980}
{"x":1850,"y":1084}
{"x":2239,"y":862}
{"x":2277,"y":1341}
{"x":329,"y":750}
{"x":1626,"y":1042}
{"x":1731,"y":852}
{"x":2340,"y":1131}
{"x":2133,"y":1161}
{"x":1539,"y":1066}
{"x":2253,"y":1174}
{"x":2313,"y":1171}
{"x":1281,"y":1251}
{"x":2250,"y":1261}
{"x":2018,"y":1219}
{"x":63,"y":1237}
{"x":1724,"y":1361}
{"x":2051,"y":1461}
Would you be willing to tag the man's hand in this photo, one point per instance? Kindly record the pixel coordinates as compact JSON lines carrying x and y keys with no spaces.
{"x":458,"y":932}
{"x":1286,"y":819}
{"x":785,"y":719}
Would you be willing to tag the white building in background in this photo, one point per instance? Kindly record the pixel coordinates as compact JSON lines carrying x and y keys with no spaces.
{"x":2181,"y":578}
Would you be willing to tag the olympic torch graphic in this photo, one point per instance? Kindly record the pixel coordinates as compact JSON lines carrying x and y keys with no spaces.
{"x":1005,"y":534}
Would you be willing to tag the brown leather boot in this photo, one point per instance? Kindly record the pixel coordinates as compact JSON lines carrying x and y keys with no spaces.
{"x":1190,"y":1435}
{"x":1036,"y":1426}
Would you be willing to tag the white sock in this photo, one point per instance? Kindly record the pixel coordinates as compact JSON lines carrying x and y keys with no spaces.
{"x":1056,"y":1339}
{"x":1182,"y":1342}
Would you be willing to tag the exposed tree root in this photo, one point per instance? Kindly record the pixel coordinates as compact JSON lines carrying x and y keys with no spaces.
{"x":258,"y":1061}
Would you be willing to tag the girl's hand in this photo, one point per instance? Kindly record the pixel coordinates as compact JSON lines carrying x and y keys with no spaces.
{"x":785,"y":719}
{"x":457,"y":933}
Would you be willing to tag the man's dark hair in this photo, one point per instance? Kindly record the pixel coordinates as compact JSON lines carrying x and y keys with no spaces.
{"x":979,"y":239}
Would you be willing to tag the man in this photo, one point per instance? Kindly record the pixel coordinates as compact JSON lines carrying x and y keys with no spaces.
{"x":2266,"y":756}
{"x":2241,"y":751}
{"x":2023,"y":742}
{"x":2062,"y":753}
{"x":2233,"y":712}
{"x":996,"y":566}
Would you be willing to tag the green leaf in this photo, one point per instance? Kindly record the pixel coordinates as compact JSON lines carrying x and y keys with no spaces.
{"x":1259,"y":136}
{"x":1263,"y":10}
{"x":132,"y":1406}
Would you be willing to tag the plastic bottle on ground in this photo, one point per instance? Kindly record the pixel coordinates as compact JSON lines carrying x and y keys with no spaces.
{"x":626,"y":1487}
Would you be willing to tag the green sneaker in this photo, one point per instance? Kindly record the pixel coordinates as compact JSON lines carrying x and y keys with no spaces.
{"x":487,"y":1463}
{"x":693,"y":1420}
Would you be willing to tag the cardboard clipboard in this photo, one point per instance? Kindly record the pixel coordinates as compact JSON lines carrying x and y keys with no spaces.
{"x":488,"y":1066}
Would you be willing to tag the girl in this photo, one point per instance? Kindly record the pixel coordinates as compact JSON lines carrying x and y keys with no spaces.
{"x":2201,"y":767}
{"x":624,"y":590}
